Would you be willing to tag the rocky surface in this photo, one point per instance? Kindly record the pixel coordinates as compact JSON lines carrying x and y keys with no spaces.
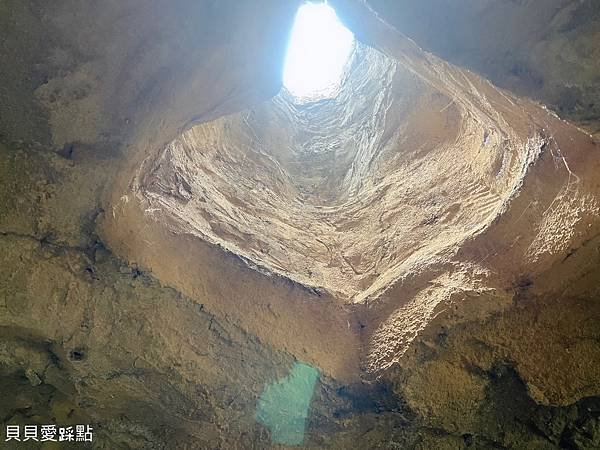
{"x":544,"y":49}
{"x":431,"y":251}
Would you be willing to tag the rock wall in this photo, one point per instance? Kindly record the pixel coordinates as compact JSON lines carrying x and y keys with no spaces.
{"x":453,"y":304}
{"x":546,"y":50}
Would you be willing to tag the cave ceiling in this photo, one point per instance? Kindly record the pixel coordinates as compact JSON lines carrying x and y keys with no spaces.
{"x":188,"y":249}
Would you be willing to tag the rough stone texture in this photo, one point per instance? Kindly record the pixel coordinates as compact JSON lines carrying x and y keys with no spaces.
{"x":478,"y":328}
{"x":134,"y":73}
{"x":292,"y":201}
{"x":545,"y":49}
{"x":394,"y":208}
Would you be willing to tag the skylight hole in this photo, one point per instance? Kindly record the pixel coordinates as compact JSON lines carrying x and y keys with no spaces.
{"x":317,"y":53}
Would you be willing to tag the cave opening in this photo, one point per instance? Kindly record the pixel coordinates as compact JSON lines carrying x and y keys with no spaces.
{"x":318,"y":50}
{"x":338,"y":193}
{"x":346,"y":191}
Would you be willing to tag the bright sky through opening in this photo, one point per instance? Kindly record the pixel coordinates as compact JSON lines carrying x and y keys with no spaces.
{"x":318,"y":50}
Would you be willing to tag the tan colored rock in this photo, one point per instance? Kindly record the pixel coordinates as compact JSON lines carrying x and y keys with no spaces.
{"x":385,"y":210}
{"x":172,"y":240}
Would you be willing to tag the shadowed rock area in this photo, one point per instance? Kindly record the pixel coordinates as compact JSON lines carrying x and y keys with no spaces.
{"x":193,"y":258}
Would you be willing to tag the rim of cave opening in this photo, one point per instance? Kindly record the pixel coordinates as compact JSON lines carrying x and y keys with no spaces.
{"x":318,"y":50}
{"x":344,"y":192}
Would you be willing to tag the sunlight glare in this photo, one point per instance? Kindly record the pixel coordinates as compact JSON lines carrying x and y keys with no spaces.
{"x":317,"y":53}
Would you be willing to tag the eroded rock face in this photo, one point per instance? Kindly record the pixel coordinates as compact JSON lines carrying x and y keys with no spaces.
{"x":547,"y":50}
{"x":337,"y":194}
{"x":134,"y":74}
{"x":391,"y":207}
{"x":430,"y":253}
{"x":289,"y":186}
